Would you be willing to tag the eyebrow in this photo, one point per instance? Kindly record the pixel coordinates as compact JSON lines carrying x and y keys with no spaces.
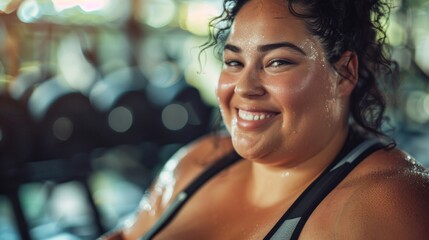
{"x":268,"y":47}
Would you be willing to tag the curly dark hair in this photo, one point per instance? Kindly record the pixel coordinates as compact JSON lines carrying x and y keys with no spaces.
{"x":341,"y":25}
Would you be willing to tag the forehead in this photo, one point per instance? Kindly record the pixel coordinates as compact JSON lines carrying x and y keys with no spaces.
{"x":271,"y":20}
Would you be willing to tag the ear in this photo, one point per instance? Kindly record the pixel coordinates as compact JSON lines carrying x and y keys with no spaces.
{"x":347,"y":69}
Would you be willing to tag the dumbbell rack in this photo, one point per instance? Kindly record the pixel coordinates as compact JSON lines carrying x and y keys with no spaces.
{"x":58,"y":170}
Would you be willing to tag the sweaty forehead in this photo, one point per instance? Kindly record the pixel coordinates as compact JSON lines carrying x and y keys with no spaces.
{"x":275,"y":8}
{"x":269,"y":20}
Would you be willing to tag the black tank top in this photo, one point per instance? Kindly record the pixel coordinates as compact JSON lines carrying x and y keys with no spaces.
{"x":289,"y":226}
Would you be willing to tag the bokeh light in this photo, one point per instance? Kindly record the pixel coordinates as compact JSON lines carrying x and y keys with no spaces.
{"x":29,"y":11}
{"x":120,"y":119}
{"x":149,"y":12}
{"x":74,"y":68}
{"x":62,"y":128}
{"x":123,"y":82}
{"x":196,"y":15}
{"x":175,"y":116}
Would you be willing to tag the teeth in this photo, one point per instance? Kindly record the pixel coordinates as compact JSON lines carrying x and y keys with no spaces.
{"x":253,"y":116}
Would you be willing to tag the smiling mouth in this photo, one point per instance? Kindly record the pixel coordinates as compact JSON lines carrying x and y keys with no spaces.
{"x":255,"y":116}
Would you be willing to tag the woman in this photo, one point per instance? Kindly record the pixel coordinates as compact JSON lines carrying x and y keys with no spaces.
{"x":295,"y":74}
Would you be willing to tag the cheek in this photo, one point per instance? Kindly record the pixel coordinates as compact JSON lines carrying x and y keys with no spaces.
{"x":224,"y":93}
{"x":223,"y":89}
{"x":320,"y":98}
{"x":306,"y":90}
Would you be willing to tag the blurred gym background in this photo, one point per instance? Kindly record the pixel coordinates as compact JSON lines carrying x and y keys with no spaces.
{"x":95,"y":96}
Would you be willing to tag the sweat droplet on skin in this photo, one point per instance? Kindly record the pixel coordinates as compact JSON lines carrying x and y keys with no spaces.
{"x":146,"y":206}
{"x":234,"y":125}
{"x":313,"y":53}
{"x":148,"y":202}
{"x":328,"y":113}
{"x":411,"y":160}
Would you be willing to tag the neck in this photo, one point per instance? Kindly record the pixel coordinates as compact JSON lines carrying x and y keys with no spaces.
{"x":275,"y":184}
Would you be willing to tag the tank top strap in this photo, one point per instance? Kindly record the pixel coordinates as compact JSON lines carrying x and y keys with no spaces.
{"x":187,"y":193}
{"x":292,"y":222}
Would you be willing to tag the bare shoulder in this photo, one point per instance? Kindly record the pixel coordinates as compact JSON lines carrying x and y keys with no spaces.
{"x":390,"y":199}
{"x":179,"y":171}
{"x":188,"y":162}
{"x":198,"y":155}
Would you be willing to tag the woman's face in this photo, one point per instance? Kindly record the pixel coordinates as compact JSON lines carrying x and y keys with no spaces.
{"x":277,"y":92}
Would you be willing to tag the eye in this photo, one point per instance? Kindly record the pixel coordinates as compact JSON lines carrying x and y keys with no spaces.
{"x":279,"y":63}
{"x":232,"y":63}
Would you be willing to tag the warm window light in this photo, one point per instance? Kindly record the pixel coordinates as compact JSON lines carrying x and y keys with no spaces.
{"x":4,"y":5}
{"x":94,"y":5}
{"x":85,"y":5}
{"x":196,"y":16}
{"x":61,"y":5}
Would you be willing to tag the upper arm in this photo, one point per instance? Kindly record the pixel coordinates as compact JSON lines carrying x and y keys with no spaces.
{"x":394,"y":206}
{"x":176,"y":174}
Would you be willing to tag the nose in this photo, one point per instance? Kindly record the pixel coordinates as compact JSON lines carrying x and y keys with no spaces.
{"x":249,"y":85}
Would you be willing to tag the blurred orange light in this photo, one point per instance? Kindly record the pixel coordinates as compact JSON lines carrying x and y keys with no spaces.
{"x":197,"y":15}
{"x":5,"y":6}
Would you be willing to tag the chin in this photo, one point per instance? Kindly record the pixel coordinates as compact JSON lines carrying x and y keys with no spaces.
{"x":252,"y":150}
